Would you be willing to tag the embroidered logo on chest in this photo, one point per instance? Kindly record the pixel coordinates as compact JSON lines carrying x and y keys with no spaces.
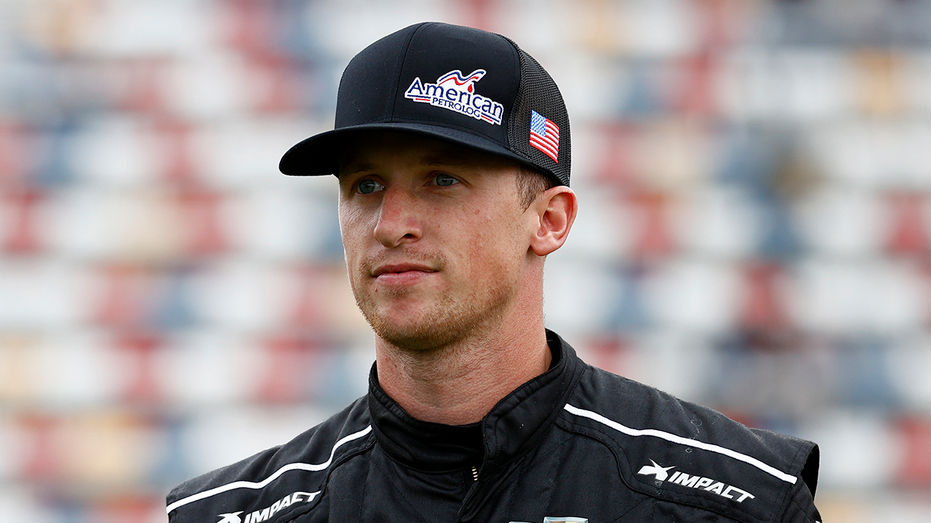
{"x":560,"y":519}
{"x":266,"y":514}
{"x":661,"y":474}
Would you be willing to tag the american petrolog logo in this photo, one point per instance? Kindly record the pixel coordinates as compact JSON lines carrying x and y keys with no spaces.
{"x":456,"y":92}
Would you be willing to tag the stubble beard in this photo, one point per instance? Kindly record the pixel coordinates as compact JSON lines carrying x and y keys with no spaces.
{"x":445,"y":323}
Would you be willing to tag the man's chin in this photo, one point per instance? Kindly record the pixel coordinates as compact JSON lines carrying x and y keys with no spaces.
{"x":418,"y":331}
{"x":421,"y":325}
{"x":414,"y":337}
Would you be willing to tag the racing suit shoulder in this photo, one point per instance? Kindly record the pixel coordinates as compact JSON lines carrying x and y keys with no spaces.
{"x":687,"y":454}
{"x":276,"y":481}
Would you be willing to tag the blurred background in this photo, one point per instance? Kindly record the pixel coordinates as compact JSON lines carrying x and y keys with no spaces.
{"x":755,"y":231}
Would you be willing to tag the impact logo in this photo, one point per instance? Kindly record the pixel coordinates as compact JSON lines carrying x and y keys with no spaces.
{"x":560,"y":519}
{"x":266,"y":513}
{"x":456,"y":92}
{"x":696,"y":482}
{"x":661,"y":473}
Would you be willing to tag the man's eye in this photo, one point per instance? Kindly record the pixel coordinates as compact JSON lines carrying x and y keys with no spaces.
{"x":445,"y":180}
{"x":368,"y":187}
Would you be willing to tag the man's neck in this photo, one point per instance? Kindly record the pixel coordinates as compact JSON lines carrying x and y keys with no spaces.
{"x":459,"y":384}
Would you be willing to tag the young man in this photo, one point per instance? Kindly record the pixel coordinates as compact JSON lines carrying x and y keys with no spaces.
{"x":452,"y":152}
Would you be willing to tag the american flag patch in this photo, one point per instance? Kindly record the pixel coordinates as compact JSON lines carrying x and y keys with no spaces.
{"x":544,"y":135}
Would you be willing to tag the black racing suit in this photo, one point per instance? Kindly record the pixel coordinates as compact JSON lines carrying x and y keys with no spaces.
{"x":575,"y":442}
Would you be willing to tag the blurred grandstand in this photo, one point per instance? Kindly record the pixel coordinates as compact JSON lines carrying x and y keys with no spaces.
{"x":755,"y":231}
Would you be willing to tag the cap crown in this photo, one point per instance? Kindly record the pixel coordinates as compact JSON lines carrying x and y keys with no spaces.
{"x":457,"y":83}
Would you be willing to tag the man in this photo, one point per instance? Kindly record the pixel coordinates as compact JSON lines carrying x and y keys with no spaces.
{"x":452,"y":152}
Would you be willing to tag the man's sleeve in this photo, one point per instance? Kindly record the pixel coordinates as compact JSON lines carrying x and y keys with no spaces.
{"x":801,"y":505}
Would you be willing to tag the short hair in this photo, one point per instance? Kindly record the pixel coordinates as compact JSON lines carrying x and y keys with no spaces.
{"x":531,"y":183}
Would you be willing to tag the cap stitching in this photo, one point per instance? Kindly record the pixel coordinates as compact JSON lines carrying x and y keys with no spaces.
{"x":397,"y":85}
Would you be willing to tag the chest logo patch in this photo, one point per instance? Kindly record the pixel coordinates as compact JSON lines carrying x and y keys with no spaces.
{"x":561,"y":519}
{"x":266,"y":514}
{"x":661,"y":473}
{"x":694,"y":481}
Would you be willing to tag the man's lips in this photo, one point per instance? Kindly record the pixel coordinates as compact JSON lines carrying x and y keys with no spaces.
{"x":401,"y":272}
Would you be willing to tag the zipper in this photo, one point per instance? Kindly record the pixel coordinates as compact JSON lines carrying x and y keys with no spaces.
{"x":468,"y":508}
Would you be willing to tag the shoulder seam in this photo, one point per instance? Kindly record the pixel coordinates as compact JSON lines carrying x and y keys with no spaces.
{"x":309,"y":467}
{"x":673,"y":438}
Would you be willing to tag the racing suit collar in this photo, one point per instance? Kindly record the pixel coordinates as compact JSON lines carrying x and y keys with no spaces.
{"x":513,"y":425}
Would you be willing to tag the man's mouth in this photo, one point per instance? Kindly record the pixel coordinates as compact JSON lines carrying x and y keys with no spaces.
{"x":401,"y":273}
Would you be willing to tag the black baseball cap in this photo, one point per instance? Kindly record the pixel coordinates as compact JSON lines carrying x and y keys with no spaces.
{"x":459,"y":84}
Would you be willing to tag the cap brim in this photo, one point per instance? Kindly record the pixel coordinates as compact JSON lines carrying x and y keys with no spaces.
{"x":319,"y":154}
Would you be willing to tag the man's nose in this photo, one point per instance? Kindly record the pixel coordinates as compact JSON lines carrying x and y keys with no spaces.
{"x":398,"y":221}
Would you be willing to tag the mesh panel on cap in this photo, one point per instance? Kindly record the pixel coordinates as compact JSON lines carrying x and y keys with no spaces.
{"x":538,"y":92}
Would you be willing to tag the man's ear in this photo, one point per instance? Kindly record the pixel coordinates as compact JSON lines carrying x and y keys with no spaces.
{"x":555,"y":209}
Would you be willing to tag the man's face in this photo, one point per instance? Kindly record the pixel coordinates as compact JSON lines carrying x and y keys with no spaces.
{"x":436,"y":239}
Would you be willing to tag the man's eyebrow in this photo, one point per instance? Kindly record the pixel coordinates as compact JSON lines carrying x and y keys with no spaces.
{"x":444,"y":159}
{"x":353,"y":167}
{"x":451,"y":159}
